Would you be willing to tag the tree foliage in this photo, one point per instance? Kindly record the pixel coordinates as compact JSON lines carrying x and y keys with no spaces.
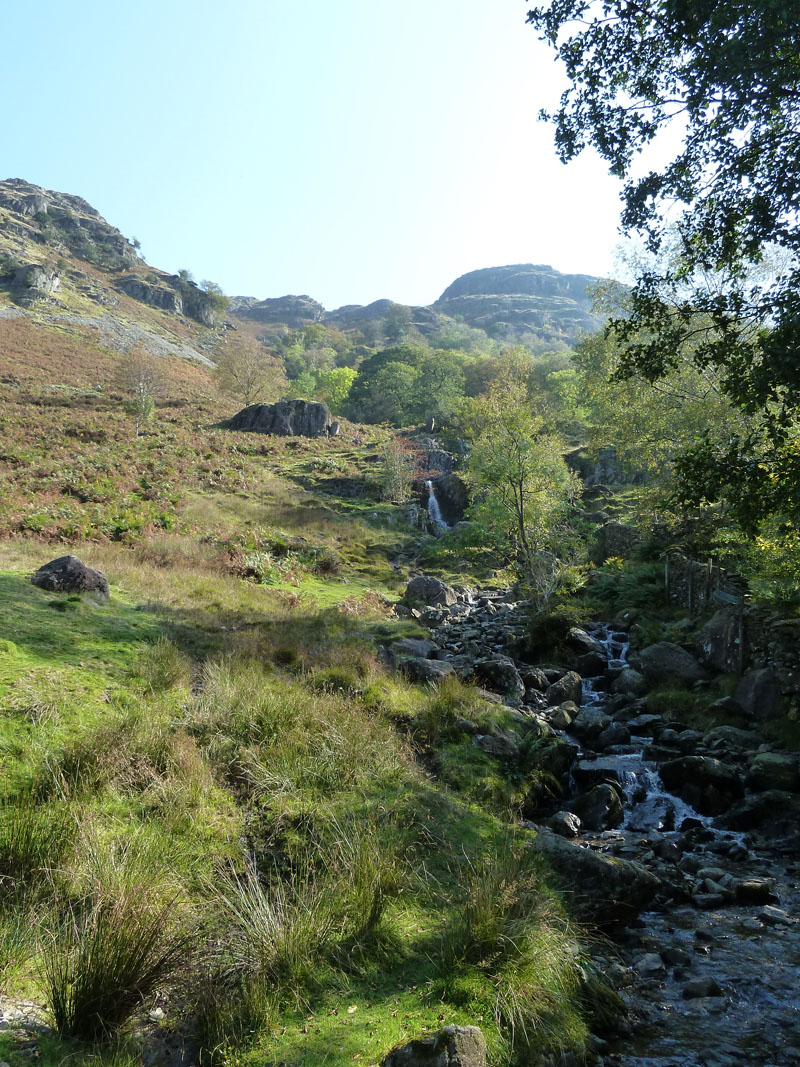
{"x":522,"y":489}
{"x":728,"y":72}
{"x":247,"y":371}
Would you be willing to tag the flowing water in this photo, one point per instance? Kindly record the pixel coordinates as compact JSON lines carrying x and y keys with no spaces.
{"x":434,"y":511}
{"x":748,"y":955}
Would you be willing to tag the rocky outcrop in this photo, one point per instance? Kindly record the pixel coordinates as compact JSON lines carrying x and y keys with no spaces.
{"x":35,"y":277}
{"x":511,"y":301}
{"x":287,"y":418}
{"x":453,"y":1046}
{"x":159,"y":296}
{"x":68,"y":574}
{"x":293,"y":311}
{"x":453,"y":497}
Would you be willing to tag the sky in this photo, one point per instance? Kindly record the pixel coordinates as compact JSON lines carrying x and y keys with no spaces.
{"x":351,"y":150}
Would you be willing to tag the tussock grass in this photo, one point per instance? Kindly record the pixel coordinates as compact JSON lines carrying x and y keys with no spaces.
{"x":116,"y":935}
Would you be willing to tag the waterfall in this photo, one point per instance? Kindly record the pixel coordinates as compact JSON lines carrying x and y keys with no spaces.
{"x":434,"y":511}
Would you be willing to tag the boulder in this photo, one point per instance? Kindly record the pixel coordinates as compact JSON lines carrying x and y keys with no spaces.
{"x":68,"y":574}
{"x":501,"y":746}
{"x":759,"y":811}
{"x":629,"y":681}
{"x":774,"y":770}
{"x":577,"y":640}
{"x":534,"y":678}
{"x":553,"y":755}
{"x":565,"y":824}
{"x":431,"y":591}
{"x":589,"y":723}
{"x":600,"y":808}
{"x":718,"y":643}
{"x":425,"y":670}
{"x":417,"y":647}
{"x":454,"y":1046}
{"x":615,"y":734}
{"x":590,"y":665}
{"x":500,"y":674}
{"x":601,"y":889}
{"x":707,"y":784}
{"x":287,"y":418}
{"x":562,"y":717}
{"x":666,"y":661}
{"x":759,"y":694}
{"x":568,"y":687}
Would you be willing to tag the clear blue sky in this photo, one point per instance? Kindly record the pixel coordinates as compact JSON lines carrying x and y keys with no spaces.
{"x":350,"y":150}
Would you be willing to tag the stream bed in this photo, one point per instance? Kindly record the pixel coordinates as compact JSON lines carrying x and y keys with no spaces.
{"x":712,"y":976}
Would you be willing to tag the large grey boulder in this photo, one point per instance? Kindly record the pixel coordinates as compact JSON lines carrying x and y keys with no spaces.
{"x":568,"y":687}
{"x":68,"y":574}
{"x":666,"y":661}
{"x":287,"y":418}
{"x":759,"y":694}
{"x":454,"y":1046}
{"x":601,"y":889}
{"x":500,"y":674}
{"x":709,"y":785}
{"x":425,"y":589}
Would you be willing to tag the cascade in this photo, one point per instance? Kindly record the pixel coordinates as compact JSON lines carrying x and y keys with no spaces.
{"x":434,"y":511}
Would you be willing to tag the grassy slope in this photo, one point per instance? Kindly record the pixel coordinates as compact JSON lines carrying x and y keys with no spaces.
{"x":228,"y":702}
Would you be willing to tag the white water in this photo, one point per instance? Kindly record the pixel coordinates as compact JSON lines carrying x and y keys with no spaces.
{"x":434,"y":511}
{"x":649,"y":804}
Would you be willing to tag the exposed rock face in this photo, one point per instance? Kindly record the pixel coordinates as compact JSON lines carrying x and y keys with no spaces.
{"x":35,"y":276}
{"x":287,"y":418}
{"x":514,"y":300}
{"x":666,"y":661}
{"x":68,"y":574}
{"x":452,"y":495}
{"x":454,"y":1046}
{"x":155,"y":295}
{"x":600,"y":889}
{"x":294,"y":311}
{"x":432,"y":591}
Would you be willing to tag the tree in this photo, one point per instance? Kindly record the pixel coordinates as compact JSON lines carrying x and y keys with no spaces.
{"x":729,"y":72}
{"x":522,"y":489}
{"x":140,"y":377}
{"x":247,"y":371}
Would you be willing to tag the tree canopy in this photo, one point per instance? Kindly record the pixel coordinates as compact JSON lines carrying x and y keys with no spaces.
{"x":728,"y":72}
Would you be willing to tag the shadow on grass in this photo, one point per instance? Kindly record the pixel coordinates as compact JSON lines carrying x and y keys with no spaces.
{"x":56,"y":630}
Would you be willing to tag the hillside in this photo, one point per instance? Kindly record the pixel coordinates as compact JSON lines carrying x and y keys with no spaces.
{"x":62,"y":264}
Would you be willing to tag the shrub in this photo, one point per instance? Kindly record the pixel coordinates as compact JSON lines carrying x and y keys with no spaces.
{"x":107,"y":955}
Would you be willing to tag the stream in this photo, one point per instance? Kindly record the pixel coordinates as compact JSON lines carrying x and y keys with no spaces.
{"x":711,"y":977}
